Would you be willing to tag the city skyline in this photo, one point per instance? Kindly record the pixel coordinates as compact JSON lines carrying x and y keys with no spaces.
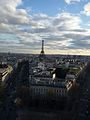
{"x":63,"y":25}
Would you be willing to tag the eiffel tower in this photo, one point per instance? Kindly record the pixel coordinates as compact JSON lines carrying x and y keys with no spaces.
{"x":42,"y":54}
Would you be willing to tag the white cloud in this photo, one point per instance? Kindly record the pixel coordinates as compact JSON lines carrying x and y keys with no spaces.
{"x":54,"y":30}
{"x":62,"y":31}
{"x":10,"y":14}
{"x":5,"y":28}
{"x":67,"y":21}
{"x":13,"y":3}
{"x":87,"y":9}
{"x":72,"y":1}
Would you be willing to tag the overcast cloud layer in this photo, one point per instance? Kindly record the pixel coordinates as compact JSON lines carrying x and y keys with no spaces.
{"x":22,"y":31}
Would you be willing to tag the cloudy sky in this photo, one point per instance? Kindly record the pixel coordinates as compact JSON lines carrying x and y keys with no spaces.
{"x":63,"y":24}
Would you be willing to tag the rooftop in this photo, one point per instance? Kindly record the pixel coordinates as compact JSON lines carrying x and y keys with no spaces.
{"x":48,"y":84}
{"x":2,"y":70}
